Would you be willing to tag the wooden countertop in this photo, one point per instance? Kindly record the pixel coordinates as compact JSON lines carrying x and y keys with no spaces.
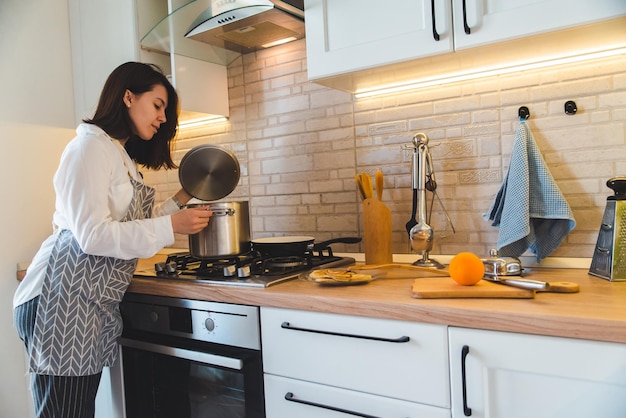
{"x":597,"y":312}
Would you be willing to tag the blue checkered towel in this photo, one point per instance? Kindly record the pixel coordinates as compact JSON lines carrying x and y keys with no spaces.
{"x":529,"y":209}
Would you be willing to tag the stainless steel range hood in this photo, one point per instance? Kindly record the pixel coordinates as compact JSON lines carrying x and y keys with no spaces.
{"x":218,"y":31}
{"x":248,"y":25}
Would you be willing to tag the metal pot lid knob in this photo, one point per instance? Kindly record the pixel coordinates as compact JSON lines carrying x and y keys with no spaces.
{"x":209,"y":172}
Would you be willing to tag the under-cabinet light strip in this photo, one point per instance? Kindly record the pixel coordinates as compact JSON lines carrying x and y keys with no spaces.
{"x":194,"y":123}
{"x":456,"y":77}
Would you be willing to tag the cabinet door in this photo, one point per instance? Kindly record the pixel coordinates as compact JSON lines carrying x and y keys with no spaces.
{"x":103,"y":36}
{"x":202,"y":87}
{"x":521,"y":376}
{"x":397,"y":359}
{"x":489,"y":21}
{"x":294,"y":398}
{"x":349,"y":35}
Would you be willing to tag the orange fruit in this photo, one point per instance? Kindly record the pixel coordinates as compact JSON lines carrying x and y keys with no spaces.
{"x":466,"y":268}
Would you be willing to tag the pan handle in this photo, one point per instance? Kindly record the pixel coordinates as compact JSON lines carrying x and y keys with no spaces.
{"x":347,"y":240}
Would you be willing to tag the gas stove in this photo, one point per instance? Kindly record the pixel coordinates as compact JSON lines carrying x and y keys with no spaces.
{"x":249,"y":270}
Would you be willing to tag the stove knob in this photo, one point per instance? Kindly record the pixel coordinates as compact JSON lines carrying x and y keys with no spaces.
{"x":229,"y":271}
{"x":243,"y":272}
{"x":170,"y":268}
{"x":209,"y":324}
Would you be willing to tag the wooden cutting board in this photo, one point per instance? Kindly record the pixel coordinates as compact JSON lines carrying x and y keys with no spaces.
{"x":376,"y":232}
{"x":444,"y":287}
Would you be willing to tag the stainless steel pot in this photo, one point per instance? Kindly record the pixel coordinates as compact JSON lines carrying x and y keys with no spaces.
{"x":228,"y":232}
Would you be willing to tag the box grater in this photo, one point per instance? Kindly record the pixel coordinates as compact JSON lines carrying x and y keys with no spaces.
{"x":609,"y":256}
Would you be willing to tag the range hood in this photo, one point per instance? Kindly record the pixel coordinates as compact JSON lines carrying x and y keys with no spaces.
{"x":219,"y":31}
{"x":248,"y":25}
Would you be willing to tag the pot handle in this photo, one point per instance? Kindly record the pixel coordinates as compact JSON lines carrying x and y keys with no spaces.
{"x":223,"y":212}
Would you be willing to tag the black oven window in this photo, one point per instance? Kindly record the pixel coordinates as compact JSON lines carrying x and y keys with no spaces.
{"x":159,"y":386}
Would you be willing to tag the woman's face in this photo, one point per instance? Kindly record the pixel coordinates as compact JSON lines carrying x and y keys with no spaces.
{"x":147,"y":111}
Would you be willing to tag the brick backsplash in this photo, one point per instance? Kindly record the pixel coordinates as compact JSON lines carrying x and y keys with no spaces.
{"x":299,"y":145}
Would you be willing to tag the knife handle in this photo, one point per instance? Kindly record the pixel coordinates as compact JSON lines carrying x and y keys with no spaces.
{"x":526,"y":283}
{"x":379,"y":184}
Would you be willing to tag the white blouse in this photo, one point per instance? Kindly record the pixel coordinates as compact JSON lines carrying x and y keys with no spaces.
{"x":93,"y":192}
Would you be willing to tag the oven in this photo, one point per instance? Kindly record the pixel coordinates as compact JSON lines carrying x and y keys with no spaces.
{"x":186,"y":358}
{"x":183,"y":358}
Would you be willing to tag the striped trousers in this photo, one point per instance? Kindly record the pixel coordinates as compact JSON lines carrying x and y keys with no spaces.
{"x":55,"y":396}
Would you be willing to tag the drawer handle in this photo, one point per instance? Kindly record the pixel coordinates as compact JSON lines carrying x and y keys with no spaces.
{"x":403,"y":339}
{"x":435,"y":33}
{"x":464,"y":352}
{"x":289,"y":396}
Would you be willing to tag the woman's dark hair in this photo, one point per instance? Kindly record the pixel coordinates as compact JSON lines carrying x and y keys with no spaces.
{"x":112,"y":114}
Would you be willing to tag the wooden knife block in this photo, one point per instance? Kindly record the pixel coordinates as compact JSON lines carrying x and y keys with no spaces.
{"x":377,"y":232}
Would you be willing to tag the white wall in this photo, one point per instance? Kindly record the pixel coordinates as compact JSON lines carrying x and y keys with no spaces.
{"x":36,"y":121}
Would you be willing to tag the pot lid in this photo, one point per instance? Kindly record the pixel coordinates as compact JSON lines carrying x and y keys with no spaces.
{"x":209,"y":172}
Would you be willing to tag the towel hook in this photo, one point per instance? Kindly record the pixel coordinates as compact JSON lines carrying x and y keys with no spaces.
{"x":523,"y":112}
{"x":570,"y":107}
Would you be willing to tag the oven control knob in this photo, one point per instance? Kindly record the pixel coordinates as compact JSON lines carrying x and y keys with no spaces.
{"x":243,"y":271}
{"x":209,"y":324}
{"x":154,"y":317}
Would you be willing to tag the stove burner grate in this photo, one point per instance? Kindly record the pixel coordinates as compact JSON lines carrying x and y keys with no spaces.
{"x":283,"y":263}
{"x":185,"y":264}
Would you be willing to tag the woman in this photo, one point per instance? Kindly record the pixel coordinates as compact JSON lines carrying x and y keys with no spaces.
{"x":66,"y":308}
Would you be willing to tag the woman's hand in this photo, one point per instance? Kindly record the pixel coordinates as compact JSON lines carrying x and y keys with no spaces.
{"x":192,"y":220}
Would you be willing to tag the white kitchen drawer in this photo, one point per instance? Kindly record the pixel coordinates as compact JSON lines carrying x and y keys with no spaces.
{"x":310,"y":400}
{"x":353,"y":353}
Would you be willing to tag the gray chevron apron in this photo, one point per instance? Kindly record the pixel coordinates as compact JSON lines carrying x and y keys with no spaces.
{"x":78,"y":320}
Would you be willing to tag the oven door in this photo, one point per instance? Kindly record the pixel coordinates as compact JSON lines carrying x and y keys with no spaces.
{"x":168,"y":377}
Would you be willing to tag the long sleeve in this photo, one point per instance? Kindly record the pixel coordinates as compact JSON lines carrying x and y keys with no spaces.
{"x":94,"y":191}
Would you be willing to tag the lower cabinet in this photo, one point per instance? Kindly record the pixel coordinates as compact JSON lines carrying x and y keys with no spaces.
{"x":327,"y":365}
{"x":501,"y":374}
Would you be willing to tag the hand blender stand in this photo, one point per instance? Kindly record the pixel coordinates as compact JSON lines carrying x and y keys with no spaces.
{"x":421,"y":234}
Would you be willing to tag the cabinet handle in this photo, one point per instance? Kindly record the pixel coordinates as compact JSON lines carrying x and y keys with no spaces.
{"x":432,"y":7}
{"x":403,"y":339}
{"x":468,"y":30}
{"x":464,"y":352}
{"x":289,"y":396}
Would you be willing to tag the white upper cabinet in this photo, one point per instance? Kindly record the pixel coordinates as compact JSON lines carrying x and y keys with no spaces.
{"x":201,"y":86}
{"x":103,"y":35}
{"x":346,"y":36}
{"x":488,"y":21}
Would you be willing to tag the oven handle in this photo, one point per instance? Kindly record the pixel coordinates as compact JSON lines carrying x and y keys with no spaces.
{"x":210,"y":359}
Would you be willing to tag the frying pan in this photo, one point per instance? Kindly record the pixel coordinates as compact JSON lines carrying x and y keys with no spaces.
{"x":294,"y":245}
{"x":209,"y":172}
